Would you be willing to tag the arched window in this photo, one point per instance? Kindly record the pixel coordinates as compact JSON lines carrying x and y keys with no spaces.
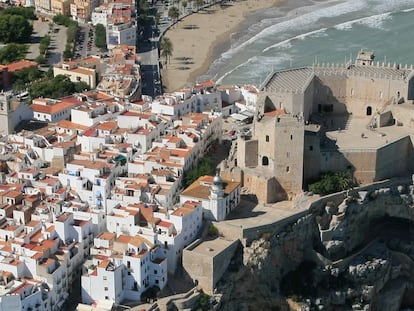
{"x":265,"y":161}
{"x":369,"y":110}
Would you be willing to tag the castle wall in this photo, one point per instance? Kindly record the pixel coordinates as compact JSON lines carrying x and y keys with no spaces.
{"x":307,"y":106}
{"x":363,"y":162}
{"x":394,"y":159}
{"x":403,"y":114}
{"x":354,"y":92}
{"x":334,"y":161}
{"x":330,"y":90}
{"x":247,"y":153}
{"x":312,"y":157}
{"x":207,"y":264}
{"x":291,"y":102}
{"x":364,"y":92}
{"x":267,"y":189}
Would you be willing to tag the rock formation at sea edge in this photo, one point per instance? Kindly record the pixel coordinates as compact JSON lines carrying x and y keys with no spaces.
{"x":353,"y":251}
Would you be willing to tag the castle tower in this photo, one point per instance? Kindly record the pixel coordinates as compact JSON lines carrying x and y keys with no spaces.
{"x":6,"y":115}
{"x":365,"y":58}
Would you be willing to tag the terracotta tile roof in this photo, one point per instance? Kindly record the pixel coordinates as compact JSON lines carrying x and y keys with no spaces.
{"x":21,"y":64}
{"x":183,"y":211}
{"x":21,"y":289}
{"x":209,"y":83}
{"x":106,"y":236}
{"x":165,"y":224}
{"x":84,"y":71}
{"x":276,"y":112}
{"x":51,"y":109}
{"x":199,"y":191}
{"x":70,"y":125}
{"x":107,"y":126}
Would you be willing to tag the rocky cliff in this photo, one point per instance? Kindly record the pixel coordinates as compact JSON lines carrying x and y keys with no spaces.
{"x":352,"y":251}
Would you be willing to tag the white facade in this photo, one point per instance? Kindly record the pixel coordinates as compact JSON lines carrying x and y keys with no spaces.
{"x":122,"y":34}
{"x":122,"y":269}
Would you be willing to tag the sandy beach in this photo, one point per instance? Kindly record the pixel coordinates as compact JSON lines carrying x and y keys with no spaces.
{"x":196,"y":37}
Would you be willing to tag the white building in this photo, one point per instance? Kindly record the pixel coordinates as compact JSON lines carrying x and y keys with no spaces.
{"x":121,"y":34}
{"x":172,"y":229}
{"x":122,"y":269}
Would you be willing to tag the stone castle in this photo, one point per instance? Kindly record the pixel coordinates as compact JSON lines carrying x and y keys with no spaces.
{"x":356,"y":117}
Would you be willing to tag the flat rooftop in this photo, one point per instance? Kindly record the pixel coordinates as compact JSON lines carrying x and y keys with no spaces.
{"x":212,"y":247}
{"x":356,"y":135}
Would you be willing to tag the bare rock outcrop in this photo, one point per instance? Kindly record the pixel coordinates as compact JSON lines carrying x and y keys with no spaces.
{"x":345,"y":254}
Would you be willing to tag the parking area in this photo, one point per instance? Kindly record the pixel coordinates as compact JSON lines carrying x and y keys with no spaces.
{"x":85,"y":42}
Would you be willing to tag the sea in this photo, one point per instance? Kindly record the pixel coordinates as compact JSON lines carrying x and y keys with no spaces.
{"x":304,"y":32}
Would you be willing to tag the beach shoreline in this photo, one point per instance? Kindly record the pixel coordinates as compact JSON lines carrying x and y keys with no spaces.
{"x":200,"y":38}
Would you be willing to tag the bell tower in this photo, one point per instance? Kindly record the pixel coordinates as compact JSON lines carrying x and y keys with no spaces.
{"x":217,"y":199}
{"x":6,"y":114}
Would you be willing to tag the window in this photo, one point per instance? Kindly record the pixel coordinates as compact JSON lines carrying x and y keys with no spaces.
{"x":288,"y":154}
{"x":105,"y":278}
{"x":291,"y":137}
{"x":267,"y":138}
{"x":156,"y":281}
{"x":265,"y":161}
{"x":106,"y":289}
{"x":155,"y":271}
{"x":287,"y":169}
{"x":310,"y":148}
{"x":106,"y":297}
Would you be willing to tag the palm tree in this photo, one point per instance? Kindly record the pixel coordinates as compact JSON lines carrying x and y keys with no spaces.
{"x":157,"y":18}
{"x":166,"y":48}
{"x":174,"y":13}
{"x":344,"y":181}
{"x":199,"y":4}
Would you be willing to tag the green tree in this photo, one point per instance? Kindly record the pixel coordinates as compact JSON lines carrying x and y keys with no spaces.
{"x":13,"y":52}
{"x":203,"y":167}
{"x":184,"y":5}
{"x":62,"y":20}
{"x":157,"y":19}
{"x":81,"y":86}
{"x":100,"y":36}
{"x":14,"y":28}
{"x":68,"y":52}
{"x":41,"y":59}
{"x":166,"y":48}
{"x":26,"y":12}
{"x":174,"y":13}
{"x":25,"y":76}
{"x":58,"y":87}
{"x":333,"y":182}
{"x":44,"y":44}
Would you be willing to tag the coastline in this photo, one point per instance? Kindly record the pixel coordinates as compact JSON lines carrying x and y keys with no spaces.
{"x":200,"y":38}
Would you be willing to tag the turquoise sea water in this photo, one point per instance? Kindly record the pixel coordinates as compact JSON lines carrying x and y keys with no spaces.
{"x":303,"y":32}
